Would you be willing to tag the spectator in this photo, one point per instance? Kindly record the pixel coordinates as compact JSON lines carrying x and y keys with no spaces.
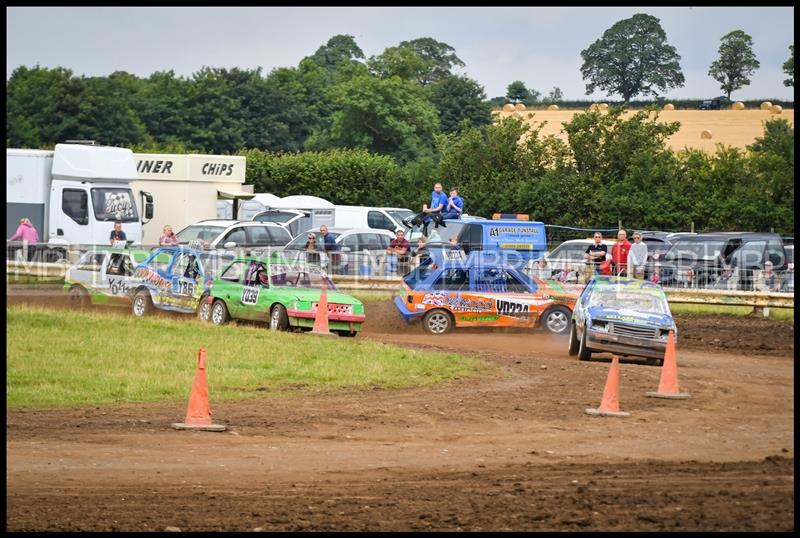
{"x":541,"y":270}
{"x":768,"y":280}
{"x":312,"y":254}
{"x":398,"y":251}
{"x":725,"y":279}
{"x":438,"y":204}
{"x":619,"y":254}
{"x":455,"y":206}
{"x":329,"y":245}
{"x":637,"y":257}
{"x":117,"y":234}
{"x":596,"y":253}
{"x":567,"y":275}
{"x":168,"y":239}
{"x":421,"y":253}
{"x":28,"y":235}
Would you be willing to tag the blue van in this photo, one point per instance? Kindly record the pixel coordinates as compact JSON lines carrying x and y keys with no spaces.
{"x":513,"y":241}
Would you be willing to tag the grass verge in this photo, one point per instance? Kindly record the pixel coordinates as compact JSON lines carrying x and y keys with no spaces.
{"x":680,"y":309}
{"x":69,"y":358}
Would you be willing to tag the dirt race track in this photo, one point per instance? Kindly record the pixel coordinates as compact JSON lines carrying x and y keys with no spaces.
{"x":513,"y":451}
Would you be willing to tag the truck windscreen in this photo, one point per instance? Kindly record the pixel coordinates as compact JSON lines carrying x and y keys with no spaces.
{"x":114,"y":204}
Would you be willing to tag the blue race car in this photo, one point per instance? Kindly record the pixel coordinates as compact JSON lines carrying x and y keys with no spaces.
{"x":622,"y":316}
{"x":175,"y":278}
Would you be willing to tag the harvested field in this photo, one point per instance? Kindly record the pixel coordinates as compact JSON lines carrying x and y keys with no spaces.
{"x":508,"y":451}
{"x":736,"y":128}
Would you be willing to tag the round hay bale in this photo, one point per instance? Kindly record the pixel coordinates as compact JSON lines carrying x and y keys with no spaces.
{"x":508,"y":107}
{"x":603,"y":106}
{"x":738,"y":105}
{"x":706,"y":134}
{"x":552,"y":107}
{"x":669,"y":106}
{"x":776,"y":109}
{"x":766,"y":105}
{"x":519,"y":106}
{"x":593,"y":107}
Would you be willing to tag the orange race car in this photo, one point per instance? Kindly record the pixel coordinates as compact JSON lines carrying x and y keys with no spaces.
{"x":469,"y":293}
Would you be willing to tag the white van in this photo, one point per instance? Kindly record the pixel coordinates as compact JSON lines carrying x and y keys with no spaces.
{"x":379,"y":218}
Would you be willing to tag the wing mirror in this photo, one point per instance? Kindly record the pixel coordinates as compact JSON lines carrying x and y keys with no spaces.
{"x":230,"y":245}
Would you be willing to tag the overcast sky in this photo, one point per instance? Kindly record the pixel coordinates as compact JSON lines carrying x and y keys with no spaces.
{"x":540,"y":46}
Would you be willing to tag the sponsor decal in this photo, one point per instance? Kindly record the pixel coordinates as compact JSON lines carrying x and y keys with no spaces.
{"x":517,"y":246}
{"x":119,"y":286}
{"x":118,"y":204}
{"x":454,"y":301}
{"x":217,"y":169}
{"x":509,"y":308}
{"x":478,"y":318}
{"x":494,"y":231}
{"x":150,"y":276}
{"x":250,"y":295}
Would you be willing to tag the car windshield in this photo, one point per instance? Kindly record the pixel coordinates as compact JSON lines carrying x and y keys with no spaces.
{"x":201,"y":232}
{"x":640,"y":300}
{"x":299,"y":242}
{"x":298,"y":276}
{"x":695,"y":250}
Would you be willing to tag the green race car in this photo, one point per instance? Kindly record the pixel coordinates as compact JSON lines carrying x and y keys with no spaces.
{"x":280,"y":292}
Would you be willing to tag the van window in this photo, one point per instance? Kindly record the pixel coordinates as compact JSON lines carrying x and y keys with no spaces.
{"x":114,"y":204}
{"x":74,"y":203}
{"x":376,"y":219}
{"x":750,"y":255}
{"x":474,"y":238}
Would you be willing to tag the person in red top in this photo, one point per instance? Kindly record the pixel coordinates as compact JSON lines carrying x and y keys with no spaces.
{"x":619,"y":253}
{"x":397,"y":253}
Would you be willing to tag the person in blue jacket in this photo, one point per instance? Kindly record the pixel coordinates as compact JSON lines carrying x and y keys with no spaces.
{"x":454,"y":207}
{"x":436,"y":209}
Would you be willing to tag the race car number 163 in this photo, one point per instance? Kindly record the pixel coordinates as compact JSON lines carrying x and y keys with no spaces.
{"x":249,"y":295}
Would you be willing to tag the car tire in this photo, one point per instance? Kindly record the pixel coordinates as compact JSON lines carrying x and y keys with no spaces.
{"x":204,"y":309}
{"x":78,"y":297}
{"x":142,"y":304}
{"x":583,"y":352}
{"x":219,"y":313}
{"x":573,"y":340}
{"x":346,"y":334}
{"x":438,"y":321}
{"x":556,"y":319}
{"x":278,"y":318}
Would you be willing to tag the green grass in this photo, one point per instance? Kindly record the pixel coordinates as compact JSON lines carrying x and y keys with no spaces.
{"x":680,"y":309}
{"x":372,"y":295}
{"x":70,"y":358}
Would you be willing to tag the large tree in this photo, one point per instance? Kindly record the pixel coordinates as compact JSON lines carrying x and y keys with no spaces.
{"x":459,"y":99}
{"x":632,"y":58}
{"x":736,"y":62}
{"x":338,"y":48}
{"x":517,"y":91}
{"x":424,"y":60}
{"x":788,"y":68}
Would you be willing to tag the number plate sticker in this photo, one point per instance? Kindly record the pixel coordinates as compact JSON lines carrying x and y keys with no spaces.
{"x":249,"y":295}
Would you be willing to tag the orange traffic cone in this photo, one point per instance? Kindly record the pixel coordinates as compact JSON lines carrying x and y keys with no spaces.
{"x":321,"y":319}
{"x":609,"y":407}
{"x":198,"y":414}
{"x":668,"y":385}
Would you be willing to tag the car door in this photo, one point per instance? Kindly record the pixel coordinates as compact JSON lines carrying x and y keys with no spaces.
{"x":251,"y":293}
{"x":117,"y":274}
{"x":514,"y":304}
{"x":379,"y":221}
{"x":229,"y":287}
{"x":184,"y":275}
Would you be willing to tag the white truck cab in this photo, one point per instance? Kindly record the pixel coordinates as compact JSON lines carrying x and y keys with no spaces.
{"x":75,"y":193}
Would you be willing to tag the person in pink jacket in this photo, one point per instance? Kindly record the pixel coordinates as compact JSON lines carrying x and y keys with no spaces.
{"x":28,"y":234}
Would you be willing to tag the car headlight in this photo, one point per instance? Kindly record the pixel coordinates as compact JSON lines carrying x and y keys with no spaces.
{"x":598,"y":325}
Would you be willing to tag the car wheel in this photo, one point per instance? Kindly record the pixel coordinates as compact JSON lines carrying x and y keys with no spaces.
{"x":219,"y":313}
{"x":583,"y":352}
{"x":204,"y":310}
{"x":78,"y":297}
{"x":142,"y":304}
{"x":556,"y":319}
{"x":573,"y":340}
{"x":278,"y":318}
{"x":346,"y":334}
{"x":437,"y":321}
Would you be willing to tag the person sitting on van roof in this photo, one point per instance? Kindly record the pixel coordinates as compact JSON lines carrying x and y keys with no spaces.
{"x":455,"y":206}
{"x":438,"y":204}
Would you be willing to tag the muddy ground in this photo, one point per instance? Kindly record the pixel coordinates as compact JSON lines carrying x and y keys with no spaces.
{"x":510,"y":451}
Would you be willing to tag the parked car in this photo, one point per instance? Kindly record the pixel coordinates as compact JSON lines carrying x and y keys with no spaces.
{"x":474,"y":292}
{"x":102,"y":276}
{"x":570,"y":253}
{"x":356,"y":247}
{"x":622,"y":316}
{"x":173,"y":278}
{"x":788,"y":276}
{"x":248,"y":236}
{"x":700,"y":261}
{"x":286,"y":295}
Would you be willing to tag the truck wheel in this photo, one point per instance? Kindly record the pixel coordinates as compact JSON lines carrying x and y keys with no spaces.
{"x":219,"y":313}
{"x":142,"y":304}
{"x":583,"y":352}
{"x":557,"y":319}
{"x":278,"y":318}
{"x":573,"y":340}
{"x":78,"y":297}
{"x":204,"y":308}
{"x":437,"y":321}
